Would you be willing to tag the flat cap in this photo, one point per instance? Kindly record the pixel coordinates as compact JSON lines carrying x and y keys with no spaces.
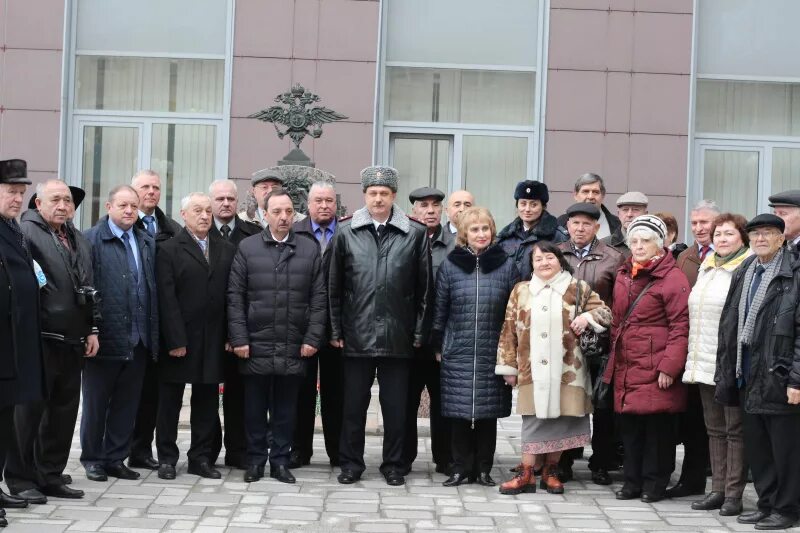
{"x":632,"y":198}
{"x":266,"y":174}
{"x":766,"y":219}
{"x":651,"y":222}
{"x":379,"y":176}
{"x":425,"y":192}
{"x":790,"y":198}
{"x":14,"y":171}
{"x":78,"y":195}
{"x":532,"y":190}
{"x":584,"y":208}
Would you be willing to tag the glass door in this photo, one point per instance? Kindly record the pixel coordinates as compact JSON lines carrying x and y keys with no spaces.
{"x":421,"y":161}
{"x":731,"y":176}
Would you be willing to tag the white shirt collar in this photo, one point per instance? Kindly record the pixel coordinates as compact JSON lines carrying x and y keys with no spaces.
{"x":278,"y":240}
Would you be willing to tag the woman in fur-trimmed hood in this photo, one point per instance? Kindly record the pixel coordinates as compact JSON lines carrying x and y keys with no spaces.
{"x":539,"y":352}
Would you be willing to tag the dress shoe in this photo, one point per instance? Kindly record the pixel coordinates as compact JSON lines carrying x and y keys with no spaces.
{"x":281,"y":473}
{"x":296,"y":460}
{"x":121,"y":471}
{"x":8,"y":501}
{"x":96,"y":473}
{"x":32,"y":496}
{"x":166,"y":472}
{"x":3,"y":521}
{"x":753,"y":517}
{"x":628,"y":493}
{"x":62,"y":491}
{"x":148,"y":463}
{"x":455,"y":479}
{"x":485,"y":479}
{"x":524,"y":481}
{"x":731,"y":507}
{"x":253,"y":473}
{"x":601,"y":477}
{"x":347,"y":477}
{"x":776,"y":521}
{"x":713,"y":500}
{"x":204,"y":470}
{"x":652,"y":497}
{"x":565,"y":474}
{"x":550,"y":479}
{"x":394,"y":478}
{"x":66,"y":479}
{"x":680,"y":489}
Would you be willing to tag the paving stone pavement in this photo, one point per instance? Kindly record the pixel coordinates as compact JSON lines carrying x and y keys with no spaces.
{"x":317,"y":503}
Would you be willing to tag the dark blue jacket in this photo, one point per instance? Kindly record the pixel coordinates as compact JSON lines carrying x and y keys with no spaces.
{"x":110,"y":267}
{"x":519,"y":244}
{"x":470,"y":308}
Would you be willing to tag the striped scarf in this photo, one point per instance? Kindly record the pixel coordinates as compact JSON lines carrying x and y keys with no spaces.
{"x":747,"y":325}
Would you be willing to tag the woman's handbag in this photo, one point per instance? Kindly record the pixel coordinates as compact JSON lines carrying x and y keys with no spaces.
{"x":602,"y":392}
{"x":591,"y":343}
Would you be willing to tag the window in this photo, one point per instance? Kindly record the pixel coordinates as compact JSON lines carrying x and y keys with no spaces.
{"x":147,"y":92}
{"x":746,"y":103}
{"x":459,"y":96}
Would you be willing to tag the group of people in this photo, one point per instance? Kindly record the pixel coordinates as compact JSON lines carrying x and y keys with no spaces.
{"x":589,"y":313}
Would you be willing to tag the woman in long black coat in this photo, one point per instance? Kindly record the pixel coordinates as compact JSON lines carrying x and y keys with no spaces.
{"x":472,"y":289}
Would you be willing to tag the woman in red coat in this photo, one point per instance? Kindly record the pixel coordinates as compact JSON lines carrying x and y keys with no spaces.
{"x":648,"y":356}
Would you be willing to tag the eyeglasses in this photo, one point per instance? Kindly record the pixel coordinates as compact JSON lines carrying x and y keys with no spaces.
{"x":762,"y":234}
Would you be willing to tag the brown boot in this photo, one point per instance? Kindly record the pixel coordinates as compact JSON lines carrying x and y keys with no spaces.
{"x":550,"y":480}
{"x":524,"y":481}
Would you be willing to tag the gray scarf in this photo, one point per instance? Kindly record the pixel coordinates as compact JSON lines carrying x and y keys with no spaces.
{"x":747,"y":326}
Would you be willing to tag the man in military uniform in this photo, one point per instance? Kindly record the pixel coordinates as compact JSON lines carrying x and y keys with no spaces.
{"x":21,"y":351}
{"x":427,"y":208}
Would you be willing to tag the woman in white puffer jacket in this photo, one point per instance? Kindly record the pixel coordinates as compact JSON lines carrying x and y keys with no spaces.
{"x":724,"y":424}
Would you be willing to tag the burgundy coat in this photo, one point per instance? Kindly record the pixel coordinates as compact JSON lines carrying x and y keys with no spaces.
{"x":654,"y":339}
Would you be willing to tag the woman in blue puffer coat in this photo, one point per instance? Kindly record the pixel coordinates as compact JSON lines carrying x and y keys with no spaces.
{"x":472,"y":289}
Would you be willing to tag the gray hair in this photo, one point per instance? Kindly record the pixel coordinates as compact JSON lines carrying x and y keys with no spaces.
{"x":644,"y":233}
{"x":41,"y":186}
{"x":225,"y":181}
{"x":707,"y":205}
{"x":588,"y":179}
{"x":321,"y":185}
{"x":186,"y":200}
{"x":144,"y":172}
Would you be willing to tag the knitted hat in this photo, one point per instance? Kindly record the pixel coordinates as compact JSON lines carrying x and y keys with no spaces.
{"x":650,"y":222}
{"x":379,"y":176}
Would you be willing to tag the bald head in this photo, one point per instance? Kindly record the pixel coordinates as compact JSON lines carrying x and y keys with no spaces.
{"x":54,"y":202}
{"x":457,"y":203}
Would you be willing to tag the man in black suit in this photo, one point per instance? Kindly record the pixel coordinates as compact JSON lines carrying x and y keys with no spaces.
{"x":229,"y":226}
{"x":154,"y":221}
{"x":320,"y":225}
{"x":192,"y":275}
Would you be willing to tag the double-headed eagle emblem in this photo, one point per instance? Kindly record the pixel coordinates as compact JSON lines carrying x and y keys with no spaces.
{"x":295,"y":117}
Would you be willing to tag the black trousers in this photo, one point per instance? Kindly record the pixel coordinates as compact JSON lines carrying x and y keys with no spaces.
{"x":359,"y":375}
{"x":692,"y":432}
{"x":6,"y":434}
{"x":43,"y":430}
{"x":473,"y":448}
{"x":233,"y":410}
{"x":605,"y":434}
{"x":649,"y":442}
{"x":329,"y":361}
{"x":770,"y":447}
{"x":204,"y":422}
{"x":275,"y":396}
{"x":111,"y":392}
{"x":425,"y":374}
{"x":143,"y":431}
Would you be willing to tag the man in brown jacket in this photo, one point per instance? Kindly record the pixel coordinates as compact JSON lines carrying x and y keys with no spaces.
{"x":595,"y":263}
{"x":691,"y":426}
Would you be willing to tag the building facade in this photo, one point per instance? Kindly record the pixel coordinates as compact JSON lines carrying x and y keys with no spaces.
{"x":680,"y":99}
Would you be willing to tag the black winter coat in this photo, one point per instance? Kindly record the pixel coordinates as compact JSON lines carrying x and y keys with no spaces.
{"x":21,"y":378}
{"x":518,"y":243}
{"x":470,"y":309}
{"x":167,"y":228}
{"x":379,"y":287}
{"x":110,"y":267}
{"x":276,"y":302}
{"x":192,"y":299}
{"x":775,"y":352}
{"x":63,"y":319}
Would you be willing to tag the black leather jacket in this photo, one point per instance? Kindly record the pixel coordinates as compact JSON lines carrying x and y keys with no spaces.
{"x":379,"y":288}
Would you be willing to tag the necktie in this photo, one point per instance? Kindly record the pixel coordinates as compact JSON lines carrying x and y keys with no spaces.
{"x":226,"y":231}
{"x":150,"y":224}
{"x":323,"y":238}
{"x":131,"y":260}
{"x":204,"y":248}
{"x":704,"y":252}
{"x":753,"y":288}
{"x":380,"y":229}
